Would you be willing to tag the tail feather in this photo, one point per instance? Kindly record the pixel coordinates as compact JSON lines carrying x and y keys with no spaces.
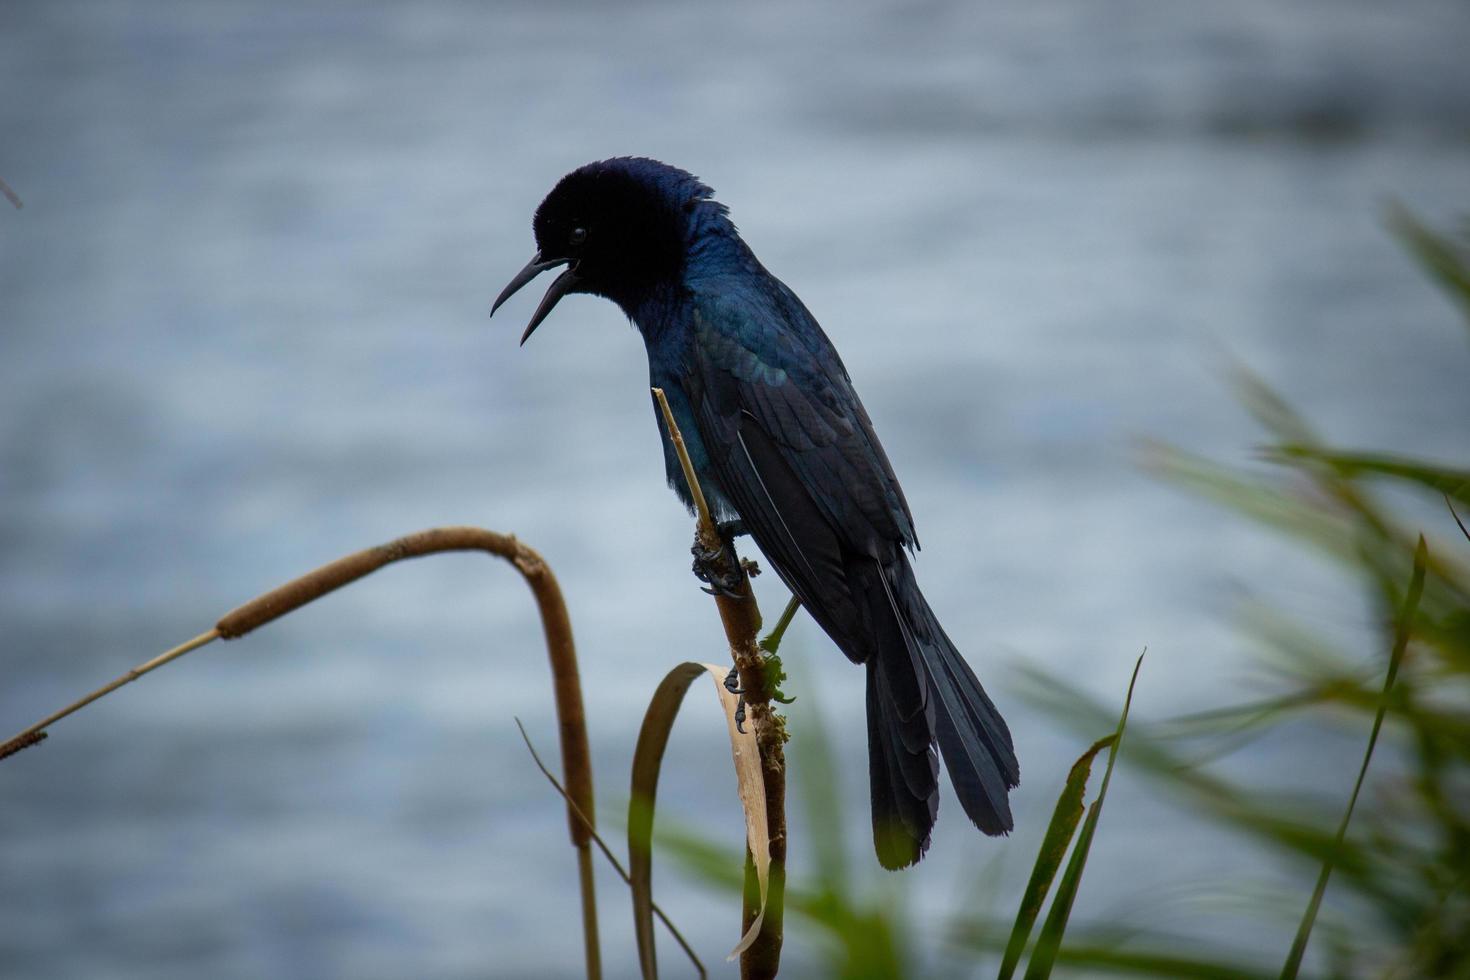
{"x":904,"y":685}
{"x":911,"y":744}
{"x":904,"y":782}
{"x":984,"y":719}
{"x":935,"y":686}
{"x":981,"y":773}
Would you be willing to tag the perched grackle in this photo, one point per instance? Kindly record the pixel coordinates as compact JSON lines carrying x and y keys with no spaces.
{"x":784,"y":450}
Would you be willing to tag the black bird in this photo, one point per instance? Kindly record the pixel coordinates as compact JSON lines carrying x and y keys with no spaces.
{"x":784,"y":450}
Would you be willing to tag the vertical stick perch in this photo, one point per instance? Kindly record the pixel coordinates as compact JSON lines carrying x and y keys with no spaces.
{"x":742,"y":621}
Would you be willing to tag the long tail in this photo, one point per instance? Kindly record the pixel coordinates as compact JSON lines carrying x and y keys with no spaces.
{"x":920,"y":690}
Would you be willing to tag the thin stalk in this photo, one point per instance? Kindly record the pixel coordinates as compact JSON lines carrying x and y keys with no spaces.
{"x":37,"y":732}
{"x":742,"y":621}
{"x":1455,"y":514}
{"x":772,"y":641}
{"x":607,"y":851}
{"x":1400,"y":645}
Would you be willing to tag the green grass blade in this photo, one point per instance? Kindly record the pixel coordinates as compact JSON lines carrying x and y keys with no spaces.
{"x":1044,"y":956}
{"x":1269,"y":409}
{"x":1277,"y":819}
{"x":1400,"y":644}
{"x":1454,"y":484}
{"x":1049,"y":943}
{"x":1436,"y":255}
{"x":1267,"y":505}
{"x":1102,"y":959}
{"x":1064,"y":820}
{"x":1131,"y":953}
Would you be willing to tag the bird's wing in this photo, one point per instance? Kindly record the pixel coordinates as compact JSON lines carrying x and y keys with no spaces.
{"x":791,"y":443}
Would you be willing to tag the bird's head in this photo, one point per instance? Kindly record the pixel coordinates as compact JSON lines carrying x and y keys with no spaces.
{"x":620,"y":227}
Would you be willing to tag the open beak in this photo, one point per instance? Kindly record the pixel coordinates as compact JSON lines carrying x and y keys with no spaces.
{"x":560,"y":286}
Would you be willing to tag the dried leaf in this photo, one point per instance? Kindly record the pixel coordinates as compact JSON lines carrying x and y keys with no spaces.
{"x":653,"y":739}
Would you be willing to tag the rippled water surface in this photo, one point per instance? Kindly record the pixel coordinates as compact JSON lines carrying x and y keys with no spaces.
{"x":243,"y":330}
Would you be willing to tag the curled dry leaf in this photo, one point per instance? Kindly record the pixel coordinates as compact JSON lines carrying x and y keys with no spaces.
{"x":653,"y":738}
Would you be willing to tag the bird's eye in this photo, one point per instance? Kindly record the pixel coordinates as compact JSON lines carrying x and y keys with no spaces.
{"x":578,"y":235}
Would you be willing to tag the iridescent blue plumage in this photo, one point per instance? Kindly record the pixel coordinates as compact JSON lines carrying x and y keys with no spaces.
{"x":780,"y":441}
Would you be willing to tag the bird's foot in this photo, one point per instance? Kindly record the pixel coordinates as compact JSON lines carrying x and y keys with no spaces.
{"x":718,"y":567}
{"x":707,"y":568}
{"x":732,"y":684}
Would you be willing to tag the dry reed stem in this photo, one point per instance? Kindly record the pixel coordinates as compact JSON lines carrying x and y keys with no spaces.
{"x":37,"y":732}
{"x":571,"y":716}
{"x":742,"y":621}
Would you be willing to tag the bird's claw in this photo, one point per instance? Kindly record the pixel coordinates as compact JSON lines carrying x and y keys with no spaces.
{"x":722,"y":591}
{"x":708,"y":567}
{"x":732,"y":684}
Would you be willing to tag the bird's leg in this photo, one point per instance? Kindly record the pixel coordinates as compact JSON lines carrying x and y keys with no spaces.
{"x":725,"y":572}
{"x":720,"y":567}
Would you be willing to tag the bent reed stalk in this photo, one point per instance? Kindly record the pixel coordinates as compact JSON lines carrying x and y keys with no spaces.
{"x":560,"y":649}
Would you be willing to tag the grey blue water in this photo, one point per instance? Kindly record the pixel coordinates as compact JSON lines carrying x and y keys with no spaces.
{"x":243,"y":330}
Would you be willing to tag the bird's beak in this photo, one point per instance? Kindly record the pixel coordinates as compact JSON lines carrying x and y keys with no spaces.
{"x":560,"y":286}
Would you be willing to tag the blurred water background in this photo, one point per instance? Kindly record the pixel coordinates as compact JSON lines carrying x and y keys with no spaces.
{"x":243,"y":330}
